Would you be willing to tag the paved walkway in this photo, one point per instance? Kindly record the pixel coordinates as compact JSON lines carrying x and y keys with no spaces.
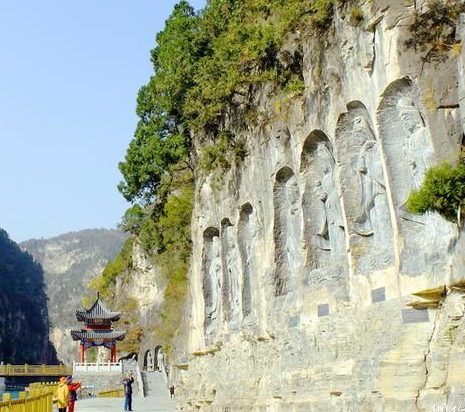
{"x":152,"y":404}
{"x":157,"y":399}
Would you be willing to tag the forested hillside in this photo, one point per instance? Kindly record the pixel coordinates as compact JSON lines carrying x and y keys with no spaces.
{"x":24,"y":324}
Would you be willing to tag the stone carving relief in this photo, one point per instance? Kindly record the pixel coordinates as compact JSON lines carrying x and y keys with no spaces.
{"x":231,"y":288}
{"x":409,"y":151}
{"x":286,"y":231}
{"x":150,"y":361}
{"x":211,"y":268}
{"x":364,"y":185}
{"x":161,"y":361}
{"x":247,"y":239}
{"x":324,"y":232}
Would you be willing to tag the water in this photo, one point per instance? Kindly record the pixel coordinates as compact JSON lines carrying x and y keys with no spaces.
{"x":13,"y":392}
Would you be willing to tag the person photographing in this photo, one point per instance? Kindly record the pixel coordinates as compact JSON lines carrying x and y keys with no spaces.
{"x":127,"y":385}
{"x":72,"y":387}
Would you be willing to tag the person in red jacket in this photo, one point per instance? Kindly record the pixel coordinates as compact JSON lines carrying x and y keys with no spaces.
{"x":73,"y":387}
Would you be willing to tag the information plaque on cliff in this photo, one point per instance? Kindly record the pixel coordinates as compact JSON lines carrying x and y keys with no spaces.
{"x":378,"y":295}
{"x":323,"y":310}
{"x":414,"y":315}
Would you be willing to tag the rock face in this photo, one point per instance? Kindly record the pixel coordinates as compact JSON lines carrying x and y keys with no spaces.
{"x":303,"y":281}
{"x":24,"y":324}
{"x":70,"y":262}
{"x":139,"y":294}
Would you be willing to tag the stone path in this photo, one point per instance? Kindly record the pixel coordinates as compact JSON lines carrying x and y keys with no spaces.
{"x":152,"y":404}
{"x":158,"y":399}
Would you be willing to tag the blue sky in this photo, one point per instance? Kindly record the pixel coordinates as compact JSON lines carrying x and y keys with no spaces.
{"x":69,"y":75}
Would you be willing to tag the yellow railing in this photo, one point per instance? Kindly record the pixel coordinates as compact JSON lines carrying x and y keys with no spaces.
{"x":34,"y":400}
{"x":35,"y":370}
{"x":42,"y":385}
{"x":114,"y":393}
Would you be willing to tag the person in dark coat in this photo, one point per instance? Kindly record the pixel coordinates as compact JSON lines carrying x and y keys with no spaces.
{"x":127,"y":385}
{"x":171,"y":391}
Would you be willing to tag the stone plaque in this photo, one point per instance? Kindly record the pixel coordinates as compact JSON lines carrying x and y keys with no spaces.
{"x":378,"y":295}
{"x":414,"y":315}
{"x":323,"y":310}
{"x":294,"y":321}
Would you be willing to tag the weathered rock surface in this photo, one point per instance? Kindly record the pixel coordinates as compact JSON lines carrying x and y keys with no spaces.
{"x":306,"y":262}
{"x":70,"y":262}
{"x":143,"y":287}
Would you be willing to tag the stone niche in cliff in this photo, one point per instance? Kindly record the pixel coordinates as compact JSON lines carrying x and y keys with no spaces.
{"x":286,"y":231}
{"x":247,"y":240}
{"x":405,"y":135}
{"x":326,"y":260}
{"x":365,"y":200}
{"x":231,"y":271}
{"x":211,"y":286}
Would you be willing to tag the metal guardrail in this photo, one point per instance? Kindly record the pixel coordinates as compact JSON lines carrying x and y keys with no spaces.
{"x":35,"y":370}
{"x":37,"y":399}
{"x":114,"y":393}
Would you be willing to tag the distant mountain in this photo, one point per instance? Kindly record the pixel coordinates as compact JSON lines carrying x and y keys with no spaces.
{"x":70,"y":262}
{"x":24,"y":323}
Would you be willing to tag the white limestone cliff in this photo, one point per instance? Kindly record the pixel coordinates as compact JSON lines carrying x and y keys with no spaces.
{"x":311,"y":286}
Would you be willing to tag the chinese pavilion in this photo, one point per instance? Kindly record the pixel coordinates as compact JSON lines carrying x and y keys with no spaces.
{"x":98,"y":329}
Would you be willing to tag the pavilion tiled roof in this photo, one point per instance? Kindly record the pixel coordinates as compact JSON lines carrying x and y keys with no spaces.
{"x":93,"y":334}
{"x":97,"y":311}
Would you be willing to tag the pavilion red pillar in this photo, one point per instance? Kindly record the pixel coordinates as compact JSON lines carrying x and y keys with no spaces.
{"x":82,"y":358}
{"x":113,"y":353}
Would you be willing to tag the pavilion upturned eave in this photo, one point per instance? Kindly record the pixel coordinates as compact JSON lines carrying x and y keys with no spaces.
{"x":97,"y":312}
{"x":90,"y":334}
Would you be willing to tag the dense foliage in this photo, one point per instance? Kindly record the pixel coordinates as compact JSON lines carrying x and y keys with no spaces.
{"x":208,"y":64}
{"x":23,"y":307}
{"x":443,"y":191}
{"x":434,"y":28}
{"x":123,"y":262}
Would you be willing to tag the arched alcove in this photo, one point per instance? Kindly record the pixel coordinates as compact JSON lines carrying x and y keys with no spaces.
{"x":159,"y":359}
{"x":365,"y":197}
{"x":211,"y":278}
{"x":324,"y":231}
{"x":231,"y":295}
{"x":247,"y":240}
{"x":409,"y":150}
{"x":149,"y":360}
{"x":287,"y":220}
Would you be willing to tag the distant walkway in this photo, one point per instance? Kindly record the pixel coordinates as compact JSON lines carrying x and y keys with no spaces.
{"x":35,"y":370}
{"x":152,"y":404}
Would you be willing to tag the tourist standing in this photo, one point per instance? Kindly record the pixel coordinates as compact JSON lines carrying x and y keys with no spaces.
{"x":171,"y":391}
{"x":62,"y":395}
{"x":127,"y":384}
{"x":72,"y":387}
